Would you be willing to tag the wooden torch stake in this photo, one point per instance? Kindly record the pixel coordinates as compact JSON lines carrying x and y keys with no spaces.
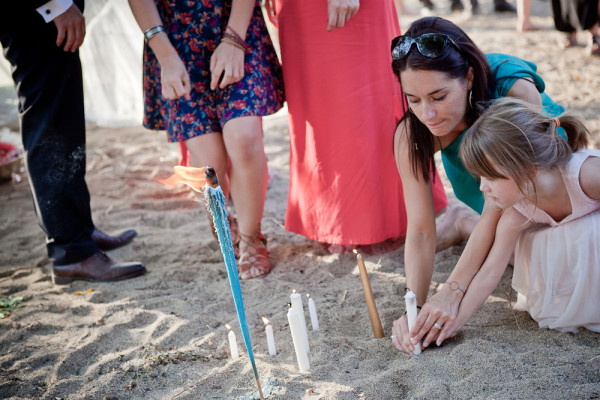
{"x":373,"y":314}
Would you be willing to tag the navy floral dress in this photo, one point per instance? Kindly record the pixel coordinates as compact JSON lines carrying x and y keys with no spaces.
{"x":195,"y":28}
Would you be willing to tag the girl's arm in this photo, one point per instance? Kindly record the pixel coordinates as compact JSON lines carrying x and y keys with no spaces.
{"x":443,"y":306}
{"x":228,"y":60}
{"x":175,"y":81}
{"x":589,"y":178}
{"x":511,"y":224}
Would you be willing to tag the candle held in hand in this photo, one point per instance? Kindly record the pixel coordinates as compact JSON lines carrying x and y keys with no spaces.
{"x":233,"y":347}
{"x":411,"y":315}
{"x":301,"y":354}
{"x":297,"y":305}
{"x":270,"y":338}
{"x":312,"y":310}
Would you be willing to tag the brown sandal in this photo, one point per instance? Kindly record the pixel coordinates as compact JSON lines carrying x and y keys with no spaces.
{"x":254,"y":257}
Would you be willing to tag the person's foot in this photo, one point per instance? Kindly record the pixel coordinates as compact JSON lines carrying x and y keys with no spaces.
{"x":455,"y":227}
{"x":504,"y":6}
{"x":97,"y":268}
{"x":527,"y":26}
{"x":254,"y":257}
{"x":428,"y":7}
{"x":456,"y":6}
{"x":106,"y":242}
{"x":593,"y":46}
{"x":568,"y":41}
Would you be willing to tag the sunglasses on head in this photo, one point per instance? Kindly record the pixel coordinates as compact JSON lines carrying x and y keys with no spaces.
{"x":431,"y":45}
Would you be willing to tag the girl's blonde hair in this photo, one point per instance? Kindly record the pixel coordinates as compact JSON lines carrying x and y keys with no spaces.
{"x":513,"y":139}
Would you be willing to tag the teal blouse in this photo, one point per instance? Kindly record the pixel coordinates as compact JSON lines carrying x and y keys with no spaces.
{"x":507,"y":70}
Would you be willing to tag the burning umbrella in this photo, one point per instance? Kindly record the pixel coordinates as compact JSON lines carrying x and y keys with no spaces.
{"x":206,"y":180}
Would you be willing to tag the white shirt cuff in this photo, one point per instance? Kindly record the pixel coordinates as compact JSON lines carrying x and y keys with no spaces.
{"x":54,"y":8}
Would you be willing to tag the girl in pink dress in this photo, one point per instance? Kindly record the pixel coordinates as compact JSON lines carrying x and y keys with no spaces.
{"x":549,"y":191}
{"x":344,"y":103}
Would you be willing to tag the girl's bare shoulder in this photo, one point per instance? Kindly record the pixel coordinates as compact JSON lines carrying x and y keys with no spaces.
{"x":589,"y":178}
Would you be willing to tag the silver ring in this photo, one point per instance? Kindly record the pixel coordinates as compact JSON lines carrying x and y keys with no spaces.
{"x":393,"y":336}
{"x":437,"y":326}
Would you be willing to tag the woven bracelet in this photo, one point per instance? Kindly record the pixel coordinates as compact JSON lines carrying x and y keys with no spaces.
{"x":233,"y":43}
{"x":241,"y":44}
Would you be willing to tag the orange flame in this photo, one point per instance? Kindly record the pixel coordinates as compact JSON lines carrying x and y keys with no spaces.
{"x":191,"y":176}
{"x":265,"y":321}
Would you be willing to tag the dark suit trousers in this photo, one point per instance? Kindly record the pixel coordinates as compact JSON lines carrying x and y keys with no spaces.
{"x":50,"y":90}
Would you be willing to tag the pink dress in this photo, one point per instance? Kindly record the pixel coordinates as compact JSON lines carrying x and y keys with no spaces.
{"x":344,"y":104}
{"x":557,"y":264}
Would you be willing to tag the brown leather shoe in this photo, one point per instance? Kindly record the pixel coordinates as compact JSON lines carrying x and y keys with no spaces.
{"x":97,"y":268}
{"x":106,"y":242}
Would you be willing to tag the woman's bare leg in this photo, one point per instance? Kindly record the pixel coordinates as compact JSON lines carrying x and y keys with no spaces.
{"x":457,"y":224}
{"x":249,"y":173}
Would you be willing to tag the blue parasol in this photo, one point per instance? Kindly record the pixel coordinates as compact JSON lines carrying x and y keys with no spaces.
{"x":215,"y":203}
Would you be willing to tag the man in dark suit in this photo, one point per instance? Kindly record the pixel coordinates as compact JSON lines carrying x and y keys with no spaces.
{"x":41,"y":39}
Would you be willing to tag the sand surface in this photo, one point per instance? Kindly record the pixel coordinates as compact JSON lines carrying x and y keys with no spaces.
{"x":163,"y":335}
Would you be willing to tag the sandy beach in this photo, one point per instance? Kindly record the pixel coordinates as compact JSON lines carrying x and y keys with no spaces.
{"x":163,"y":335}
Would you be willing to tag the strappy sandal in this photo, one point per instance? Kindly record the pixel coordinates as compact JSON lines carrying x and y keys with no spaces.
{"x":254,"y":257}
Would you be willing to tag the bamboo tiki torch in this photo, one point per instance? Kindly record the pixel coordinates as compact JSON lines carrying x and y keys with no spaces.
{"x":373,"y":315}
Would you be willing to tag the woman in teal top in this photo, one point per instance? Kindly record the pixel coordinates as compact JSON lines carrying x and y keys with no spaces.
{"x":446,"y":79}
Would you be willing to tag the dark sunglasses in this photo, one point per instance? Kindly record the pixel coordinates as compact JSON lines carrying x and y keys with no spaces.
{"x":431,"y":45}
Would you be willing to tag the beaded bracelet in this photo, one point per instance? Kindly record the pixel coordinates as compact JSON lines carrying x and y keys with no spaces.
{"x":155,"y":30}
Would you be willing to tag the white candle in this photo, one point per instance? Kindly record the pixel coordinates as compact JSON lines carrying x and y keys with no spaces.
{"x":411,"y":315}
{"x":301,"y":354}
{"x":233,"y":347}
{"x":270,"y":338}
{"x":314,"y":321}
{"x":297,"y":305}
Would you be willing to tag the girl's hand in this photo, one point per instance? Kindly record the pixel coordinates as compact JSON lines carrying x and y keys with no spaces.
{"x":339,"y":12}
{"x":400,"y":338}
{"x":441,"y":309}
{"x":175,"y":80}
{"x":228,"y":61}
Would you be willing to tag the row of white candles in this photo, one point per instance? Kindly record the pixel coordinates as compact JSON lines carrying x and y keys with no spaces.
{"x":298,"y":329}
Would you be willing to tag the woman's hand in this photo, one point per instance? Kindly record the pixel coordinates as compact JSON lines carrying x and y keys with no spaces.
{"x":441,"y":309}
{"x":175,"y":80}
{"x":400,"y":338}
{"x":228,"y":61}
{"x":339,"y":12}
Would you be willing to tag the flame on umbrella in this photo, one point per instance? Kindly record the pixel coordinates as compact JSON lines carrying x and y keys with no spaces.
{"x":193,"y":177}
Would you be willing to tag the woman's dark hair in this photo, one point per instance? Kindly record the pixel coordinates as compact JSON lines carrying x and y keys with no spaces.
{"x":454,"y":61}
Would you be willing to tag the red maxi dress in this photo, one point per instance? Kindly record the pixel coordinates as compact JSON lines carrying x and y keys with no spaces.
{"x":344,"y":103}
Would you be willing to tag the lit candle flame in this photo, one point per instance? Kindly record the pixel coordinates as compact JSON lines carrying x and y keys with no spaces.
{"x":191,"y":176}
{"x":294,"y":291}
{"x":307,"y":295}
{"x":228,"y":327}
{"x":355,"y":251}
{"x":265,"y":321}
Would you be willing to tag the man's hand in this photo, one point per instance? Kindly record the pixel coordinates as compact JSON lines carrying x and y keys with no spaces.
{"x":339,"y":12}
{"x":71,"y":28}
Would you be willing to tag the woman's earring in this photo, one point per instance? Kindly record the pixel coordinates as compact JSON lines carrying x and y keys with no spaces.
{"x":471,"y":98}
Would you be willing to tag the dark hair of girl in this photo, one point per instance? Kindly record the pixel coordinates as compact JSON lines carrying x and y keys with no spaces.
{"x":453,"y":61}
